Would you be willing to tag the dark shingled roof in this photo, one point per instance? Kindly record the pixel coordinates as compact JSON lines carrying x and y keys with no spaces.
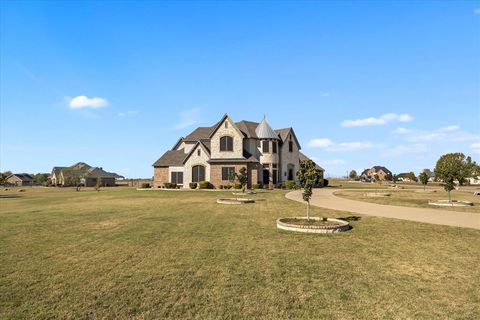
{"x":23,"y":176}
{"x":199,"y":133}
{"x":283,"y":133}
{"x":377,"y":169}
{"x":303,"y":157}
{"x":171,"y":158}
{"x":248,"y":128}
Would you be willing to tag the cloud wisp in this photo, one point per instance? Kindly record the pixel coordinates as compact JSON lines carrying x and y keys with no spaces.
{"x":82,"y":102}
{"x":127,"y":113}
{"x":377,"y":121}
{"x":188,"y":118}
{"x":448,"y":133}
{"x":329,"y":145}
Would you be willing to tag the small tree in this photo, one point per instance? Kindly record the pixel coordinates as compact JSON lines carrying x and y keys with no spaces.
{"x":453,"y":166}
{"x":98,"y":185}
{"x":353,"y":175}
{"x":242,"y":177}
{"x":395,"y":178}
{"x":308,"y":175}
{"x":423,"y":179}
{"x":410,"y":175}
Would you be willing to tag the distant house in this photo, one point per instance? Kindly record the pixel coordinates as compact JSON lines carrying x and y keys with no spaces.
{"x":474,"y":180}
{"x":20,"y":179}
{"x":376,"y":172}
{"x":403,"y":177}
{"x":83,"y":174}
{"x":431,"y":175}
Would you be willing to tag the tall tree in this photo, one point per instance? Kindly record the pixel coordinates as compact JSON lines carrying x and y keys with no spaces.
{"x":456,"y":166}
{"x":308,"y":175}
{"x":423,"y":179}
{"x":353,"y":175}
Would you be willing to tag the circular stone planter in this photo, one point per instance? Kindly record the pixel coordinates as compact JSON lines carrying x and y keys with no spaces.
{"x":378,"y":194}
{"x":448,"y":203}
{"x":243,"y":193}
{"x":235,"y":201}
{"x":295,"y":224}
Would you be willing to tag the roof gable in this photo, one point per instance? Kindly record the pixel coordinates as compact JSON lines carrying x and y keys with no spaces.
{"x":219,"y":123}
{"x":198,"y":144}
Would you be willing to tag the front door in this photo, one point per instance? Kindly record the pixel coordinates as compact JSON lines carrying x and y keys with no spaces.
{"x":290,"y":174}
{"x":274,"y":178}
{"x":266,"y":176}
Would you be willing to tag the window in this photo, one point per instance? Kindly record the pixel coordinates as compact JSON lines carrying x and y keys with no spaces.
{"x":177,"y":177}
{"x":226,"y":143}
{"x":274,"y":146}
{"x":228,"y":173}
{"x":290,"y":146}
{"x":226,"y":124}
{"x":198,"y":173}
{"x":274,"y":166}
{"x":198,"y":152}
{"x":265,"y":146}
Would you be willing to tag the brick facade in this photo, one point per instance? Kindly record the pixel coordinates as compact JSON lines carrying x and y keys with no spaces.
{"x":160,"y":176}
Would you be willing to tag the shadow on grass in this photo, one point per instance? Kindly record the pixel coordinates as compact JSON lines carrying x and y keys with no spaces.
{"x":351,"y":218}
{"x":9,"y":196}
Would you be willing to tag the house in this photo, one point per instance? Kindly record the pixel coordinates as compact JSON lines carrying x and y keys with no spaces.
{"x":82,"y":174}
{"x":214,"y":153}
{"x":376,"y":172}
{"x":20,"y":179}
{"x":473,"y":180}
{"x":404,"y":176}
{"x":430,"y":174}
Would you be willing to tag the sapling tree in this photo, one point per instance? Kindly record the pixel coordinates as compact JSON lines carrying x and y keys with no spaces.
{"x":353,"y":175}
{"x":308,"y":175}
{"x":98,"y":185}
{"x":242,"y":178}
{"x":423,"y":179}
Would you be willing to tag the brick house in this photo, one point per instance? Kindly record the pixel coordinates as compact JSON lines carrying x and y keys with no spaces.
{"x":214,"y":153}
{"x":381,"y":172}
{"x":85,"y":174}
{"x":20,"y":179}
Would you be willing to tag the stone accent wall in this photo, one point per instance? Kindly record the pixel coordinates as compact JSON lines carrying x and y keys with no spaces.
{"x":194,"y":160}
{"x":287,"y":158}
{"x":254,"y":173}
{"x":237,"y":141}
{"x":160,"y":176}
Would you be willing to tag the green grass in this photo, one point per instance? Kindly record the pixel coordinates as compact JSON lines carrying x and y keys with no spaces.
{"x":410,"y":198}
{"x":121,"y":254}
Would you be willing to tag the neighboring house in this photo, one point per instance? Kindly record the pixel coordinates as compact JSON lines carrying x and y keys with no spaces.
{"x":20,"y":179}
{"x":214,"y":153}
{"x":473,"y":180}
{"x":403,"y":177}
{"x":83,"y":174}
{"x":377,"y":172}
{"x":431,"y":175}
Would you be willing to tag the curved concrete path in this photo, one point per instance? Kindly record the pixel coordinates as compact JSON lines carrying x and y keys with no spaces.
{"x":325,"y":198}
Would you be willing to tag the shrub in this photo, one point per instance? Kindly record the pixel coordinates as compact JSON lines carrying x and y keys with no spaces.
{"x":279,"y":186}
{"x":205,"y":185}
{"x":145,"y":185}
{"x":192,"y":185}
{"x":256,"y":186}
{"x":238,"y":186}
{"x":290,"y":184}
{"x":221,"y":186}
{"x":228,"y":187}
{"x":325,"y":182}
{"x":170,"y":185}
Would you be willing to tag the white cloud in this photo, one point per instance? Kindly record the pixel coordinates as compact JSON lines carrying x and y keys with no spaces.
{"x":448,"y":128}
{"x":329,"y":145}
{"x":382,"y":120}
{"x":320,"y":143}
{"x":401,"y":130}
{"x":80,"y":102}
{"x":448,"y":133}
{"x":128,"y":113}
{"x":324,"y":94}
{"x":188,"y":118}
{"x":475,"y":147}
{"x":402,"y":150}
{"x":476,"y":10}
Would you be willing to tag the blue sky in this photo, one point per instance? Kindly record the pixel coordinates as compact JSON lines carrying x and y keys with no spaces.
{"x":116,"y":84}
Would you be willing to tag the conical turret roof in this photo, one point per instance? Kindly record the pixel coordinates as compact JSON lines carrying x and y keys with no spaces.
{"x":264,"y":131}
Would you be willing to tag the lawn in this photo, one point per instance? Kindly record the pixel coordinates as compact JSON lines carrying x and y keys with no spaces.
{"x":410,"y":198}
{"x":121,"y":253}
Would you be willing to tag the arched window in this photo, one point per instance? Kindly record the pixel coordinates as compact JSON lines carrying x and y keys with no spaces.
{"x":226,"y":143}
{"x":198,"y":173}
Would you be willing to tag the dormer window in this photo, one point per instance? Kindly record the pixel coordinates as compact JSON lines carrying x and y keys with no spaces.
{"x":226,"y":143}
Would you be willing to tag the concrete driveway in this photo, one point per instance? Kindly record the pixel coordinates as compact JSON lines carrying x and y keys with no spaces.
{"x":325,"y":198}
